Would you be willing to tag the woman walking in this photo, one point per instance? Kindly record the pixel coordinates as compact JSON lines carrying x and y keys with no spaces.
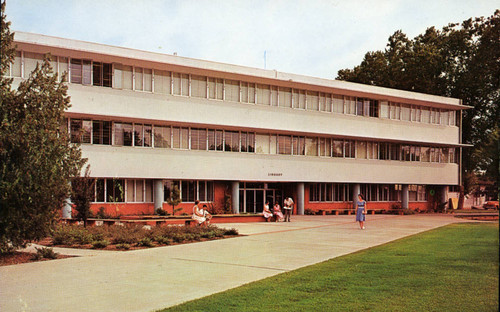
{"x":361,"y":211}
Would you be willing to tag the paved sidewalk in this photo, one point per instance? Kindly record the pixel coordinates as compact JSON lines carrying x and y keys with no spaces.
{"x":150,"y":279}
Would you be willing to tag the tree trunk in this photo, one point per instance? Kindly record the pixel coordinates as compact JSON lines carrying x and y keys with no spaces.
{"x":461,"y":198}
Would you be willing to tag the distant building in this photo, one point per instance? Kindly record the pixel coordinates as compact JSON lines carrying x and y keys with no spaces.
{"x":231,"y":134}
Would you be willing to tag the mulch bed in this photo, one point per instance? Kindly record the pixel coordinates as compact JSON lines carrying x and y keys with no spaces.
{"x":18,"y":257}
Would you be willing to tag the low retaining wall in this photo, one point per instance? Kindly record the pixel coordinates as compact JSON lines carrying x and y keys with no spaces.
{"x":159,"y":220}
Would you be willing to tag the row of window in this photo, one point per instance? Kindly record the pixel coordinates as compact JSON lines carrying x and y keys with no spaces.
{"x":341,"y":192}
{"x":147,"y":135}
{"x":141,"y":190}
{"x":88,"y":72}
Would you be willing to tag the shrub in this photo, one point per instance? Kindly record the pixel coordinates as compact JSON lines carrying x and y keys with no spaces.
{"x":123,"y":246}
{"x":47,"y":253}
{"x":128,"y":234}
{"x":71,"y":235}
{"x":408,"y":212}
{"x":231,"y":232}
{"x":101,"y":214}
{"x":161,"y":212}
{"x":100,"y":244}
{"x":308,"y":211}
{"x":145,"y":242}
{"x":162,"y":240}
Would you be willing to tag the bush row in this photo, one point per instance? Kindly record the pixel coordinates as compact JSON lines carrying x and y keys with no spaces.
{"x":134,"y":235}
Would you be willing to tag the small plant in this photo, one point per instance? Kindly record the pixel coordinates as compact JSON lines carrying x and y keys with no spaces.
{"x":101,"y":214}
{"x":161,"y":212}
{"x":47,"y":253}
{"x":123,"y":246}
{"x":100,"y":244}
{"x":308,"y":211}
{"x":174,"y":198}
{"x":231,"y":232}
{"x":162,"y":240}
{"x":145,"y":242}
{"x":408,"y":212}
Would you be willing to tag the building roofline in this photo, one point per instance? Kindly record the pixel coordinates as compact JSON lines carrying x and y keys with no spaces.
{"x":341,"y":86}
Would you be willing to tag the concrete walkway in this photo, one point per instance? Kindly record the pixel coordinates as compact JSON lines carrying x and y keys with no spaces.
{"x":150,"y":279}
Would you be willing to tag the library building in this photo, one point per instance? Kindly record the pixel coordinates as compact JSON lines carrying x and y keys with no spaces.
{"x":235,"y":137}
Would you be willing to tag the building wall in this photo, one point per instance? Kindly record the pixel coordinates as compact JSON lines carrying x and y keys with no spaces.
{"x":127,"y":162}
{"x":148,"y":107}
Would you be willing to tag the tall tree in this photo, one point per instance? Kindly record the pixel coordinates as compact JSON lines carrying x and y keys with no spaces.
{"x":460,"y":61}
{"x":36,"y":157}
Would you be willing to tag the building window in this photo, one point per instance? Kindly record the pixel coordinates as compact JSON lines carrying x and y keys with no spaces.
{"x":312,"y":100}
{"x":373,"y":110}
{"x":123,"y":134}
{"x":311,"y":146}
{"x":215,"y":142}
{"x":102,"y":74}
{"x":114,"y":190}
{"x":101,"y":132}
{"x":199,"y":86}
{"x":162,"y":136}
{"x":298,"y":145}
{"x":349,"y":149}
{"x":80,"y":131}
{"x":188,"y":191}
{"x":162,"y":81}
{"x":198,"y":139}
{"x":231,"y":141}
{"x":284,"y":144}
{"x":80,"y":71}
{"x":325,"y":147}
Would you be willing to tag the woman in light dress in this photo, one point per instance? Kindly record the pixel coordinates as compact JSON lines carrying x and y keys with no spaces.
{"x":201,"y":215}
{"x":277,"y":212}
{"x":267,"y":212}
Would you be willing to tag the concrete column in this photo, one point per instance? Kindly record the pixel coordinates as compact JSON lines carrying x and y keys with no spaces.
{"x":356,"y":189}
{"x":235,"y":196}
{"x":300,"y":198}
{"x":66,"y":212}
{"x":443,"y":195}
{"x":158,"y":200}
{"x":405,"y":195}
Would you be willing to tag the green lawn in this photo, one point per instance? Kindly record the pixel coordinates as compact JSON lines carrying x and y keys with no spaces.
{"x":454,"y":268}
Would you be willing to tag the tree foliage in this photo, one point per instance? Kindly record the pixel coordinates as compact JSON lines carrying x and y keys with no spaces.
{"x":460,"y":61}
{"x":175,"y":198}
{"x":36,"y":157}
{"x":82,"y":194}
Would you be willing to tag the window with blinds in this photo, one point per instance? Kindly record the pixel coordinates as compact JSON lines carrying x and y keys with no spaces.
{"x":198,"y":86}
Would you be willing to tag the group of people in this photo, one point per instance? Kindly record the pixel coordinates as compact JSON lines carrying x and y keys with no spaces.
{"x":276,"y":212}
{"x":203,"y":217}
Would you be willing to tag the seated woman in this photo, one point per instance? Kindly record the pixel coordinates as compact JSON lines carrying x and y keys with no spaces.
{"x":201,"y":215}
{"x":267,"y":213}
{"x":277,"y":213}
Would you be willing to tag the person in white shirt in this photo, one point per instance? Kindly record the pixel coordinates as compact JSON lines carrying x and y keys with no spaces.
{"x":288,"y":206}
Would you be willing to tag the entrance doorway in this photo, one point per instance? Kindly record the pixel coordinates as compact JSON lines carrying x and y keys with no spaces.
{"x":254,"y":195}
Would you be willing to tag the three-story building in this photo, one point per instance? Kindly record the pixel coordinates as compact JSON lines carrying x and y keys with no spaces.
{"x":238,"y":136}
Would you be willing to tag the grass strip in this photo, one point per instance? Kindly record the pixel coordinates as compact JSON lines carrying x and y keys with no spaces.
{"x":453,"y":268}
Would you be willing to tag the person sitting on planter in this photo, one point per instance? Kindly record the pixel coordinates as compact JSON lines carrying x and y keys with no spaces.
{"x":201,"y":215}
{"x":277,"y":213}
{"x":267,"y":212}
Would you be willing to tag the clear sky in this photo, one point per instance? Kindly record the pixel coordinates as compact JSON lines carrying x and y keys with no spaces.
{"x":310,"y":37}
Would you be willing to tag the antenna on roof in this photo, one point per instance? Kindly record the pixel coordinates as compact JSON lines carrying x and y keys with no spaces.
{"x":265,"y":52}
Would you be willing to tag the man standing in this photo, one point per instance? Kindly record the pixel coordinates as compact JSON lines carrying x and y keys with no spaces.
{"x":288,"y":206}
